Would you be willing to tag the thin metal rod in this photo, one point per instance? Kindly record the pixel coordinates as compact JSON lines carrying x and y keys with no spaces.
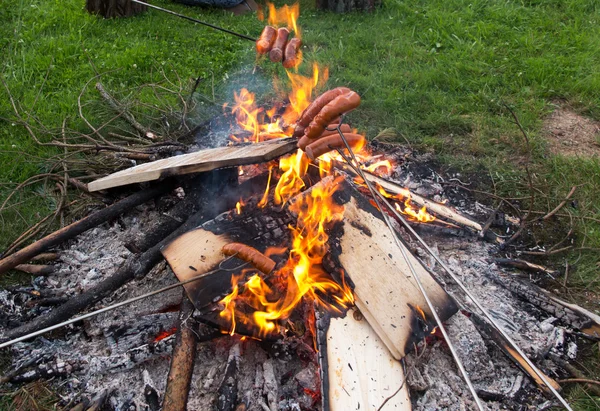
{"x":414,"y":273}
{"x":465,"y":290}
{"x":212,"y":26}
{"x":114,"y":306}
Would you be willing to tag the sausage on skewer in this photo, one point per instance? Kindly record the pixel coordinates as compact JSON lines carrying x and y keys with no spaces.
{"x":305,"y":141}
{"x":338,"y":106}
{"x":315,"y":107}
{"x":329,"y":143}
{"x":266,"y":40}
{"x":251,"y":255}
{"x":276,"y":53}
{"x":291,"y":56}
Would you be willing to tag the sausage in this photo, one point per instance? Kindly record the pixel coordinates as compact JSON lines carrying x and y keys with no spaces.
{"x":251,"y":255}
{"x":266,"y":40}
{"x":338,"y":106}
{"x":305,"y":141}
{"x":276,"y":53}
{"x":315,"y":107}
{"x":292,"y":56}
{"x":329,"y":143}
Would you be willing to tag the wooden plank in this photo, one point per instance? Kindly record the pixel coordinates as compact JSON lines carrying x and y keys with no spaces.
{"x":385,"y":290}
{"x":204,"y":160}
{"x":361,"y":372}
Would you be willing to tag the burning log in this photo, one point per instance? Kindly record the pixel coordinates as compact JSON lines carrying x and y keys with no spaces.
{"x":357,"y":369}
{"x":78,"y":227}
{"x":204,"y":160}
{"x":385,"y":292}
{"x":182,"y":363}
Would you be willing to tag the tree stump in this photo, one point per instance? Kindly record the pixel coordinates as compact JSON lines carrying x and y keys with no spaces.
{"x":345,"y":6}
{"x":114,"y":8}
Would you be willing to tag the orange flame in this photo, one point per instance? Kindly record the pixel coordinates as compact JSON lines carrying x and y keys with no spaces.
{"x":164,"y":334}
{"x":265,"y":198}
{"x":285,"y":16}
{"x":239,"y":205}
{"x":422,"y":215}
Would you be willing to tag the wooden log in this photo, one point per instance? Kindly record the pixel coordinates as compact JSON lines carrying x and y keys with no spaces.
{"x":385,"y":290}
{"x":78,"y":227}
{"x":525,"y":265}
{"x":35,"y":269}
{"x":358,"y":372}
{"x":204,"y":160}
{"x":182,"y":360}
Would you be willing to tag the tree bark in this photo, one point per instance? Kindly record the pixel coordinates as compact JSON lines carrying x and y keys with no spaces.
{"x":114,"y":8}
{"x":345,"y":6}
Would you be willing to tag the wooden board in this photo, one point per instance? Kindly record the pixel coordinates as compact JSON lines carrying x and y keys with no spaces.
{"x":361,"y":372}
{"x":385,"y":290}
{"x":204,"y":160}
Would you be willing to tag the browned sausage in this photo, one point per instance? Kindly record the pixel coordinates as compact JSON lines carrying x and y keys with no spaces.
{"x":338,"y":106}
{"x":276,"y":53}
{"x":291,"y":57}
{"x":251,"y":255}
{"x":305,"y":141}
{"x":315,"y":107}
{"x":266,"y":40}
{"x":329,"y":143}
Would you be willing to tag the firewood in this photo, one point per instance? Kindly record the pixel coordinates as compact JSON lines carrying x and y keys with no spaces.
{"x":182,"y":362}
{"x":385,"y":291}
{"x":357,"y":369}
{"x":525,"y":265}
{"x":35,"y":269}
{"x":204,"y":160}
{"x":227,"y":399}
{"x":78,"y":227}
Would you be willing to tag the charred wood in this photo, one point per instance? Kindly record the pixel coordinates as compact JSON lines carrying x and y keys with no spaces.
{"x":525,"y":265}
{"x":227,"y":393}
{"x":182,"y":360}
{"x":82,"y":225}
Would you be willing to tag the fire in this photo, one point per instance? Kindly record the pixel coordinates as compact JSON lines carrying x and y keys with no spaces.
{"x":294,"y":167}
{"x":265,"y":198}
{"x":164,"y":334}
{"x":259,"y":124}
{"x":239,"y":205}
{"x":303,"y":275}
{"x":422,"y":215}
{"x":285,"y":16}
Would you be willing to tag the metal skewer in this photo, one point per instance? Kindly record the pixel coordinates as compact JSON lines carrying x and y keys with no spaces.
{"x":212,"y":26}
{"x":405,"y":223}
{"x":414,"y":273}
{"x":117,"y":305}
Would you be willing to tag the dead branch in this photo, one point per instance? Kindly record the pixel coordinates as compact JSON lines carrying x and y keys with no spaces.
{"x":80,"y":226}
{"x":525,"y":265}
{"x":561,"y":205}
{"x":35,"y":269}
{"x":119,"y":108}
{"x":182,"y":362}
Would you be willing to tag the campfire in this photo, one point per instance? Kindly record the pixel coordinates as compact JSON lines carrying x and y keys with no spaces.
{"x":324,"y":273}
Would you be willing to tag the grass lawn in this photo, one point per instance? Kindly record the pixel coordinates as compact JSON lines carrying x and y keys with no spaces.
{"x":439,"y":72}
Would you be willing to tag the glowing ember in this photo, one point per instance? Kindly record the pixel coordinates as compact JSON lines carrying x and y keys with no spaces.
{"x":164,"y":334}
{"x":238,"y":206}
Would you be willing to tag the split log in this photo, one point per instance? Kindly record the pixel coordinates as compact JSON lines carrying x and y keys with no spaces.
{"x":182,"y":362}
{"x":136,"y":266}
{"x":78,"y":227}
{"x":357,"y":370}
{"x":204,"y":160}
{"x":491,"y":334}
{"x":443,"y":211}
{"x":384,"y":288}
{"x":577,"y":317}
{"x":114,"y":8}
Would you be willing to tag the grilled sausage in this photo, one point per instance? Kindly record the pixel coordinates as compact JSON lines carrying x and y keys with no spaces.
{"x":305,"y":141}
{"x":335,"y":108}
{"x":329,"y":143}
{"x":276,"y":53}
{"x":251,"y":255}
{"x":266,"y":40}
{"x":292,"y":56}
{"x":315,"y":107}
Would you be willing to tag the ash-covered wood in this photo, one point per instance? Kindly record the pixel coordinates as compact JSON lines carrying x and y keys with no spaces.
{"x":571,"y":314}
{"x":227,"y":398}
{"x":78,"y":227}
{"x":385,"y":290}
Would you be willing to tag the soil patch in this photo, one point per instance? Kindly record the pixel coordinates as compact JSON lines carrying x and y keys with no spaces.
{"x":571,"y":134}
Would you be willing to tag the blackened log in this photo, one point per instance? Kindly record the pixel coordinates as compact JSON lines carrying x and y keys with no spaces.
{"x":78,"y":227}
{"x":182,"y":362}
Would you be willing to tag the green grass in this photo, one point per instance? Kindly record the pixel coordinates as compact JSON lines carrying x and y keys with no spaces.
{"x":438,"y":71}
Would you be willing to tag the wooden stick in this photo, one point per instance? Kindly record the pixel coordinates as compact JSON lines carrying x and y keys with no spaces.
{"x":78,"y":227}
{"x":182,"y":363}
{"x":561,"y":205}
{"x":525,"y":265}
